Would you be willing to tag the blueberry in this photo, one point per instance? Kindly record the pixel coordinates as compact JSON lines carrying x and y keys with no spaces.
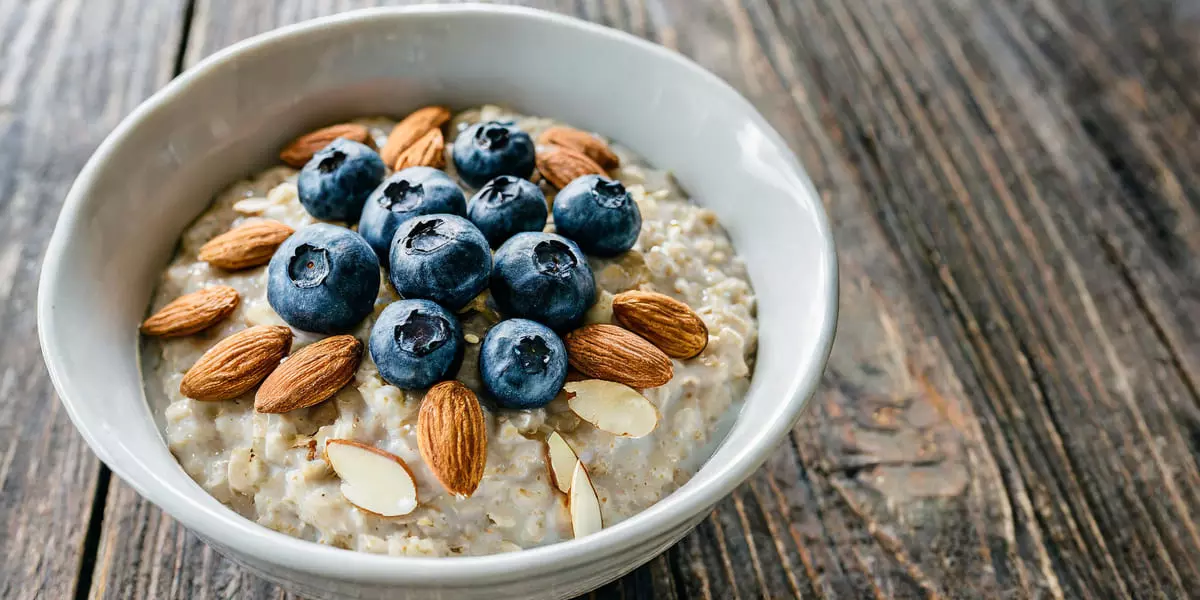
{"x":440,"y":257}
{"x":544,"y":277}
{"x":522,"y":364}
{"x":337,"y":180}
{"x":323,"y":279}
{"x":599,"y":214}
{"x":505,"y":206}
{"x":490,"y":149}
{"x":416,"y":343}
{"x":409,"y":193}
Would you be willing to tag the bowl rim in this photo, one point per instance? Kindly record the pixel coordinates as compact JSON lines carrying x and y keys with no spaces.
{"x":229,"y":530}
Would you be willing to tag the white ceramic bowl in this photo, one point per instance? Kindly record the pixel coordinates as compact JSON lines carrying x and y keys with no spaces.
{"x":228,"y":117}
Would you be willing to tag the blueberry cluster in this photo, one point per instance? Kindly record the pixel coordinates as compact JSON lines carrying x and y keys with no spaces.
{"x":437,"y":248}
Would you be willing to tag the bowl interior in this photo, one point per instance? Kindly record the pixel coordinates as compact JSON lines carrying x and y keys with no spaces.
{"x":229,"y":117}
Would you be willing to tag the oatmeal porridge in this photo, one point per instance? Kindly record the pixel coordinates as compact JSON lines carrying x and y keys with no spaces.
{"x":274,"y":468}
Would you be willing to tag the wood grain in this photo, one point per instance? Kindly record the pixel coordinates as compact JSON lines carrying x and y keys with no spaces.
{"x":1013,"y":404}
{"x":68,"y":72}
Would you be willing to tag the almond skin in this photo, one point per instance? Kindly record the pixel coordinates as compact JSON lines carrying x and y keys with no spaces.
{"x":561,"y":166}
{"x":666,"y":322}
{"x":429,"y":151}
{"x":411,"y":129}
{"x":452,"y":436}
{"x":608,"y":352}
{"x":310,"y":376}
{"x":192,"y":313}
{"x":237,"y":363}
{"x":582,"y":142}
{"x":301,"y":149}
{"x":248,"y":245}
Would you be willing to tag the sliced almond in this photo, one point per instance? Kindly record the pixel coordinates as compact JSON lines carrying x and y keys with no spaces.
{"x":302,"y":149}
{"x":608,"y":352}
{"x":310,"y":376}
{"x":373,"y":480}
{"x":582,"y":142}
{"x":248,"y":245}
{"x":666,"y":322}
{"x":583,"y":504}
{"x":452,"y":436}
{"x":411,"y":129}
{"x":237,"y":363}
{"x":612,"y":407}
{"x":561,"y":166}
{"x":192,"y":313}
{"x":560,"y":461}
{"x":252,"y":206}
{"x":428,"y":151}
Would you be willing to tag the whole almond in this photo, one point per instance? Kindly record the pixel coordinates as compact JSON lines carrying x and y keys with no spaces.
{"x":668,"y":323}
{"x":608,"y":352}
{"x":302,"y":149}
{"x":237,"y":363}
{"x":411,"y":129}
{"x":310,"y":376}
{"x":428,"y":151}
{"x":560,"y":165}
{"x":452,"y":436}
{"x":192,"y":313}
{"x":248,"y":245}
{"x":582,"y":142}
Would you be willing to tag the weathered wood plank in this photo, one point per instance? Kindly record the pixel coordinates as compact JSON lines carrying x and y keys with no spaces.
{"x":1009,"y":239}
{"x":70,"y":70}
{"x":1011,"y":408}
{"x":892,"y":460}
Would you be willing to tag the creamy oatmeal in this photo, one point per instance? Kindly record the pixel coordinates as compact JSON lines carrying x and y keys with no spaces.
{"x":270,"y":467}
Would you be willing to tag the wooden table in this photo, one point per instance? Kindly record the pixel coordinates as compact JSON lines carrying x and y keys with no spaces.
{"x":1012,"y":407}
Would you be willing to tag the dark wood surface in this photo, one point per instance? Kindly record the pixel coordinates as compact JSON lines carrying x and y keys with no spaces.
{"x":1013,"y":404}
